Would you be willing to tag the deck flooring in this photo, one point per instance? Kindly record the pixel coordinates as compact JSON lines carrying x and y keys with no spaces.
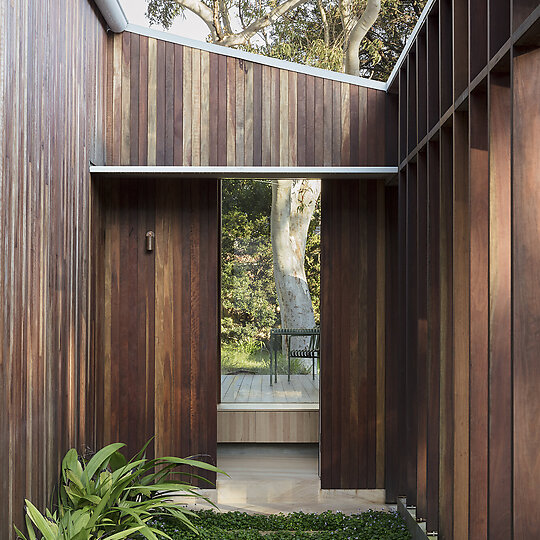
{"x":246,"y":388}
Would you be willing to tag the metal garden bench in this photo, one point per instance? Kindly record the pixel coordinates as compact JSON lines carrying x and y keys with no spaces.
{"x":312,"y":350}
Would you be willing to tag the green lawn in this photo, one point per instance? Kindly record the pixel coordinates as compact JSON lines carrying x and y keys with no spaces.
{"x":234,"y":359}
{"x":369,"y":525}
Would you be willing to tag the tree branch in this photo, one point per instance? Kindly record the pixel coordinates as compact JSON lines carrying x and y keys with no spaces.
{"x":352,"y":61}
{"x":204,"y":12}
{"x":324,"y":19}
{"x":242,"y":37}
{"x":225,"y":16}
{"x":217,"y":24}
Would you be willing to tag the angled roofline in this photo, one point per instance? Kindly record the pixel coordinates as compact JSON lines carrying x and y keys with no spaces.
{"x":117,"y":21}
{"x":409,"y":43}
{"x":256,"y":58}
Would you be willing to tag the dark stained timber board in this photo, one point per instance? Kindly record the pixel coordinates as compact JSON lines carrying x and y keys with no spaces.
{"x":52,"y":123}
{"x":479,"y":380}
{"x":158,"y":350}
{"x":352,"y":333}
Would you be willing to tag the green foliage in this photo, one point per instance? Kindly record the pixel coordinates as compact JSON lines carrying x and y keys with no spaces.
{"x":369,"y":525}
{"x":109,"y":497}
{"x":299,"y":36}
{"x":313,"y":261}
{"x":248,"y":292}
{"x":249,"y":306}
{"x":163,"y":12}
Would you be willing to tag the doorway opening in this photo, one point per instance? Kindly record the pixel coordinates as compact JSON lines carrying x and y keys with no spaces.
{"x":270,"y":279}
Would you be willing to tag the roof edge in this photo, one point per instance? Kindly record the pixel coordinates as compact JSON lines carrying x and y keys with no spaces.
{"x":116,"y":19}
{"x":256,"y":58}
{"x":113,"y":14}
{"x":244,"y":171}
{"x":409,"y":43}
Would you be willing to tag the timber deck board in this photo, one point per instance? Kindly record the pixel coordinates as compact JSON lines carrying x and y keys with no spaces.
{"x":246,"y":388}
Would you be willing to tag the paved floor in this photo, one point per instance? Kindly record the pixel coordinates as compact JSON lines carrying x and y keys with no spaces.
{"x":246,"y":388}
{"x":271,"y":478}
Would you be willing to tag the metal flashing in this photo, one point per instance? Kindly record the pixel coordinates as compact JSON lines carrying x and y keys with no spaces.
{"x":246,"y":172}
{"x":409,"y":43}
{"x":256,"y":58}
{"x":113,"y":14}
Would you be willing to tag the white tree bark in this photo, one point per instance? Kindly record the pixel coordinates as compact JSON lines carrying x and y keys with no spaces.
{"x":232,"y":39}
{"x":358,"y":33}
{"x":293,"y":204}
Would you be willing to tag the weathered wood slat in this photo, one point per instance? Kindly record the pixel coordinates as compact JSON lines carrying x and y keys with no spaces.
{"x":479,"y":321}
{"x":526,"y":256}
{"x":152,"y":103}
{"x":202,"y":108}
{"x":53,"y":96}
{"x":500,"y":290}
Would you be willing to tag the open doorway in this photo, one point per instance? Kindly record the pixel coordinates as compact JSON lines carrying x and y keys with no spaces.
{"x":258,"y":272}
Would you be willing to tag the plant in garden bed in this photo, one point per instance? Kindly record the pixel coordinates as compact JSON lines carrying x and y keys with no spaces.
{"x":368,"y":525}
{"x":111,"y":498}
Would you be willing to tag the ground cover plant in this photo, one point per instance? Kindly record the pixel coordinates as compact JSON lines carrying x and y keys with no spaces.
{"x":370,"y":525}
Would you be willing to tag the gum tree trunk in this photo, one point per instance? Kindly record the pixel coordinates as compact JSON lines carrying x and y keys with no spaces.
{"x":293,"y":205}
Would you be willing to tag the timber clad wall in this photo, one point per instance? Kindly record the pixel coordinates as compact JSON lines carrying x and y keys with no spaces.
{"x":175,"y":105}
{"x":468,"y":256}
{"x":353,"y":334}
{"x":431,"y":302}
{"x":156,"y":315}
{"x":52,"y":105}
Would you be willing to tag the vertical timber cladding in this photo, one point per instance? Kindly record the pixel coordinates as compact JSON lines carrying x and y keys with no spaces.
{"x":526,"y":301}
{"x":52,"y":120}
{"x":171,"y":104}
{"x":353,"y":324}
{"x":477,"y":462}
{"x":159,"y":315}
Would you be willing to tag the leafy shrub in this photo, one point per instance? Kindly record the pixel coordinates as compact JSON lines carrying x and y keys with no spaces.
{"x":109,"y":497}
{"x":369,"y":525}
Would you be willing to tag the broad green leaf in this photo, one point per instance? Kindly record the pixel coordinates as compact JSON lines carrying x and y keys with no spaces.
{"x":30,"y":528}
{"x":117,"y":461}
{"x":92,"y":499}
{"x":72,"y":494}
{"x":142,"y":451}
{"x":40,"y":521}
{"x":80,"y":520}
{"x":19,"y":533}
{"x":123,"y":534}
{"x":75,"y":478}
{"x":105,"y":482}
{"x":70,"y":460}
{"x":194,"y":463}
{"x":100,"y":458}
{"x":98,"y":511}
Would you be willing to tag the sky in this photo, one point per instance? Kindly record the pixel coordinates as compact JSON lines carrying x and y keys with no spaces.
{"x":191,"y":27}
